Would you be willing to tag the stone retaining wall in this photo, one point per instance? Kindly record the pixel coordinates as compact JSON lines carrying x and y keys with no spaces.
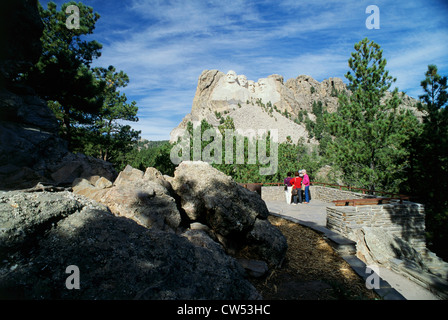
{"x":327,"y":194}
{"x":272,"y":193}
{"x":392,"y":235}
{"x":406,"y":221}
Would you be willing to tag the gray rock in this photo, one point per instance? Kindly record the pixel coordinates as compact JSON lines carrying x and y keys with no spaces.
{"x":103,"y":183}
{"x":141,"y":197}
{"x":268,"y":242}
{"x":255,"y":268}
{"x":237,"y":216}
{"x":119,"y":259}
{"x":65,"y":170}
{"x":24,"y":215}
{"x":208,"y":194}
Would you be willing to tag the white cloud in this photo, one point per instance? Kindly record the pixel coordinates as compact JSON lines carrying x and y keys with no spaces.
{"x":172,"y":42}
{"x":409,"y":62}
{"x":154,"y":128}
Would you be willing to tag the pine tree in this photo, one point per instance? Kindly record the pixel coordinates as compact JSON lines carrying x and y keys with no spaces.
{"x":429,"y":173}
{"x":369,"y":130}
{"x":62,"y":76}
{"x":114,"y":137}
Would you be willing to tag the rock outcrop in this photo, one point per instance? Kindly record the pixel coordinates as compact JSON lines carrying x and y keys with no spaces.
{"x":251,"y":105}
{"x":199,"y":197}
{"x":237,"y":216}
{"x":139,"y":237}
{"x":116,"y":257}
{"x":269,"y":103}
{"x":141,"y":196}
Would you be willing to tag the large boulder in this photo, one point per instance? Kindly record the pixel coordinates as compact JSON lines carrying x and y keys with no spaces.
{"x":28,"y":140}
{"x":24,"y":215}
{"x":237,"y":216}
{"x":116,"y":257}
{"x":209,"y":195}
{"x":71,"y":166}
{"x":141,"y":196}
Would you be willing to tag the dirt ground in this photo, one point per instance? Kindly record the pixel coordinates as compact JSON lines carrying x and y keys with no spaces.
{"x":312,"y":270}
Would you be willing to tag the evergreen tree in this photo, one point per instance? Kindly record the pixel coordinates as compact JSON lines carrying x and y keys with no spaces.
{"x":107,"y":137}
{"x":87,"y":102}
{"x":429,"y":173}
{"x":62,"y":76}
{"x":147,"y":154}
{"x":370,"y":133}
{"x":291,"y":156}
{"x":317,"y":128}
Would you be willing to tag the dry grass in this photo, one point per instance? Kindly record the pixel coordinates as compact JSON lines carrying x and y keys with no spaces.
{"x":312,"y":270}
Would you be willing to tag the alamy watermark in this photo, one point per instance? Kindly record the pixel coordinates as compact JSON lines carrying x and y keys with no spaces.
{"x":373,"y":280}
{"x":257,"y":147}
{"x":72,"y":281}
{"x":373,"y":21}
{"x":72,"y":21}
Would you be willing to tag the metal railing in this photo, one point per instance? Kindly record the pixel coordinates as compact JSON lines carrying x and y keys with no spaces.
{"x":337,"y":186}
{"x":364,"y":191}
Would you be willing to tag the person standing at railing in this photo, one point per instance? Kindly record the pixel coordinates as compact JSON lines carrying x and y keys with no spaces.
{"x":302,"y":190}
{"x":306,"y":183}
{"x":296,"y":189}
{"x":288,"y":188}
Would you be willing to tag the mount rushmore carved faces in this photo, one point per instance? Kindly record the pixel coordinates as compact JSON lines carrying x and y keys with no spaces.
{"x":262,"y":85}
{"x":231,"y":76}
{"x":242,"y":80}
{"x":237,"y":89}
{"x":251,"y":86}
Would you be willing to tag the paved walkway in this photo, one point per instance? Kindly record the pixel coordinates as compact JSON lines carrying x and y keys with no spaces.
{"x":314,"y":215}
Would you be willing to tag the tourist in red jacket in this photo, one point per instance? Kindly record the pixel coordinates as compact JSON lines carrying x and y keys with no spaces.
{"x":296,"y":186}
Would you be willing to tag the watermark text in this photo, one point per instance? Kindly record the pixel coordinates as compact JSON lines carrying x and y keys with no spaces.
{"x":234,"y":147}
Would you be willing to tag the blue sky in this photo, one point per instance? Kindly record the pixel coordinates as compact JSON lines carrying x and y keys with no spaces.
{"x":165,"y":45}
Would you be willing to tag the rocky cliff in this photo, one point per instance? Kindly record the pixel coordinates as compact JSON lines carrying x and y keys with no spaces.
{"x":269,"y":103}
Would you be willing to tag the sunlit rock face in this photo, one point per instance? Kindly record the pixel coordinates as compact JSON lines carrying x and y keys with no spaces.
{"x":233,"y":88}
{"x":267,"y":103}
{"x":251,"y":104}
{"x":229,"y":90}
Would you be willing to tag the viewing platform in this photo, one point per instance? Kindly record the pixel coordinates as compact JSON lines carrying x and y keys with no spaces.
{"x":395,"y":283}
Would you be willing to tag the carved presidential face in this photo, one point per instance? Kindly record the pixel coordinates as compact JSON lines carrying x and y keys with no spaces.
{"x":262,"y":85}
{"x":251,"y":86}
{"x":231,"y":76}
{"x":242,"y":80}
